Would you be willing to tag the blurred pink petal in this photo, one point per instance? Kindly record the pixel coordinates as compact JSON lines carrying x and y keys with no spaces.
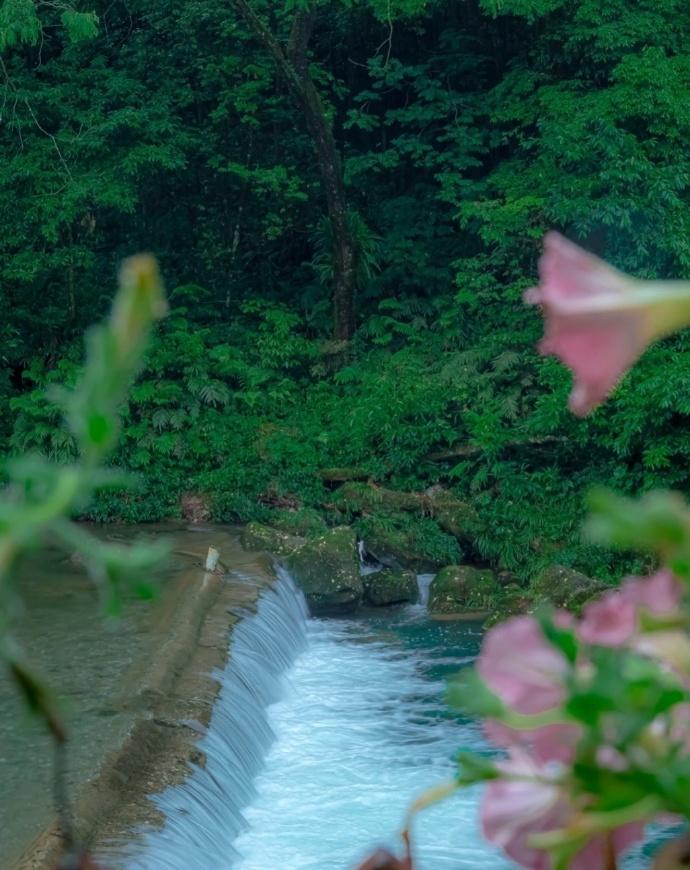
{"x":520,"y":666}
{"x":528,"y":801}
{"x":597,"y":852}
{"x":610,"y":621}
{"x":660,"y":594}
{"x":549,"y":743}
{"x":599,"y":320}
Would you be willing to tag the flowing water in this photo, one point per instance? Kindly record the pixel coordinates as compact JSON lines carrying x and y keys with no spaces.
{"x":361,"y":730}
{"x":324,"y":732}
{"x":95,"y":666}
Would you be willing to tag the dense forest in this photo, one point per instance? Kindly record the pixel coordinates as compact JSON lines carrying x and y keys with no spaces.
{"x":347,"y":199}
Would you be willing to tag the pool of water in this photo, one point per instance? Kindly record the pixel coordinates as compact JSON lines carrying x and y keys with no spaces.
{"x":361,"y":731}
{"x":323,"y":734}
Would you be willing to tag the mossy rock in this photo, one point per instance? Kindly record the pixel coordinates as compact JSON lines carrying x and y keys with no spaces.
{"x":390,"y":587}
{"x":256,"y":536}
{"x":565,"y":587}
{"x":418,"y":545}
{"x":367,"y":498}
{"x":512,"y":601}
{"x":454,"y":516}
{"x":462,"y":589}
{"x":327,"y":570}
{"x":306,"y":523}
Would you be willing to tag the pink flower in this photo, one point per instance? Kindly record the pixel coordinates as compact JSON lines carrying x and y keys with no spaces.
{"x":529,"y":799}
{"x":610,"y":621}
{"x":520,"y":666}
{"x":660,"y":594}
{"x":549,"y":743}
{"x":599,"y":320}
{"x":598,"y":850}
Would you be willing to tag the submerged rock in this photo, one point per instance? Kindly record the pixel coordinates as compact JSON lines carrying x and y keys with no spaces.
{"x":327,"y":570}
{"x":257,"y":536}
{"x":462,"y":589}
{"x":390,"y":587}
{"x":564,"y":587}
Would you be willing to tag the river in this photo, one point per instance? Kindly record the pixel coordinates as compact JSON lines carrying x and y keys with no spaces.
{"x":322,"y":733}
{"x":314,"y":766}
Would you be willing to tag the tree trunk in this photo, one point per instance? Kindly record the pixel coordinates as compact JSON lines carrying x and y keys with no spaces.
{"x":293,"y":65}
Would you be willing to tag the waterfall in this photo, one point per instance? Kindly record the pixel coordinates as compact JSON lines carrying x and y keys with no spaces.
{"x":204,"y":815}
{"x":424,"y":581}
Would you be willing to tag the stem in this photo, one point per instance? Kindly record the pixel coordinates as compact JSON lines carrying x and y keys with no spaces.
{"x":597,"y":823}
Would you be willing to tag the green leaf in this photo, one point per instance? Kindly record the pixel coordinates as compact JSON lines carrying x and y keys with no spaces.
{"x":18,"y":23}
{"x":469,"y":693}
{"x":473,"y":768}
{"x":80,"y":25}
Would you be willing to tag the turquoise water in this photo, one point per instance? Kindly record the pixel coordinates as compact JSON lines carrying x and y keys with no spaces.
{"x":361,"y":730}
{"x":323,"y":734}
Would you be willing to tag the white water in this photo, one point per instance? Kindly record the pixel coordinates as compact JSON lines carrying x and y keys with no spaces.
{"x":360,"y":732}
{"x":323,"y":733}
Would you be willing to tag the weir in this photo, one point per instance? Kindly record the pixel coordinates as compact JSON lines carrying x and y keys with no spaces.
{"x":204,"y":815}
{"x":322,"y":733}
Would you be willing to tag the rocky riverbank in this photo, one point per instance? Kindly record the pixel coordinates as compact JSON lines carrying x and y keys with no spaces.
{"x":327,"y":562}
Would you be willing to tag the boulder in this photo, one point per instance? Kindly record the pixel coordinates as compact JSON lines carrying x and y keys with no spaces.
{"x":257,"y":536}
{"x":398,"y":542}
{"x":305,"y":522}
{"x":390,"y":587}
{"x":564,"y":587}
{"x":342,"y":474}
{"x":512,"y":601}
{"x":462,"y":589}
{"x":195,"y":508}
{"x":454,"y":516}
{"x":327,"y":570}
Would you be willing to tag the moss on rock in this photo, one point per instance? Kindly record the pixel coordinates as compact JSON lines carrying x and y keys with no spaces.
{"x":512,"y":601}
{"x":327,"y":570}
{"x":390,"y":587}
{"x":564,"y":587}
{"x":305,"y":522}
{"x":400,"y":541}
{"x":461,"y":589}
{"x":257,"y":536}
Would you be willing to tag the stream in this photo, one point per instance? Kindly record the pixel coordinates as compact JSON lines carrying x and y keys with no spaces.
{"x":322,"y":733}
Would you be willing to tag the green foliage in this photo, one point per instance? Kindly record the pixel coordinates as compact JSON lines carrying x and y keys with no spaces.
{"x":18,"y":23}
{"x":463,"y":134}
{"x":41,"y":495}
{"x":80,"y":25}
